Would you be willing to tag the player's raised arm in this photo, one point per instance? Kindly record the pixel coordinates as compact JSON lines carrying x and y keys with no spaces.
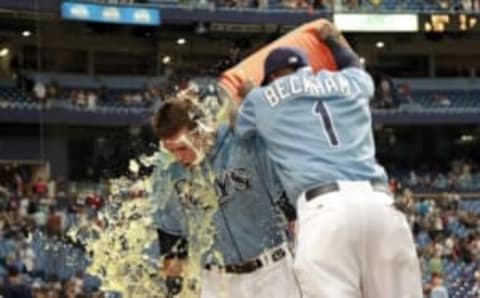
{"x":341,"y":50}
{"x":346,"y":59}
{"x":245,"y":117}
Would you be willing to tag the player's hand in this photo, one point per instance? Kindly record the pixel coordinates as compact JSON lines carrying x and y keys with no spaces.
{"x":173,"y":267}
{"x":327,"y":30}
{"x":173,"y":273}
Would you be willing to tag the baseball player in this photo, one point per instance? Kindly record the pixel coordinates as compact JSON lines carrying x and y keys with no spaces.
{"x":351,"y":241}
{"x":247,"y":227}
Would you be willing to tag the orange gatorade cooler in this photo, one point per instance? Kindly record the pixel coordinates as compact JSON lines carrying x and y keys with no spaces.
{"x":304,"y":37}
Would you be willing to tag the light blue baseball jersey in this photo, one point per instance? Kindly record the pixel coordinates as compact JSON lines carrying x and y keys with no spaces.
{"x":316,"y":127}
{"x":247,"y":221}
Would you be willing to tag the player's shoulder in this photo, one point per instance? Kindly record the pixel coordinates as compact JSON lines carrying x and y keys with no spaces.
{"x":255,"y":101}
{"x":357,"y":74}
{"x":255,"y":93}
{"x":356,"y":71}
{"x":348,"y":70}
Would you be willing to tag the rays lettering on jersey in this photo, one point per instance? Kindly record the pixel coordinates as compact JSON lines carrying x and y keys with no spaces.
{"x":309,"y":85}
{"x":230,"y":182}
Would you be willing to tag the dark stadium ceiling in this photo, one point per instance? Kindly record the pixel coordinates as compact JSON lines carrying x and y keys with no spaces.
{"x":48,"y":31}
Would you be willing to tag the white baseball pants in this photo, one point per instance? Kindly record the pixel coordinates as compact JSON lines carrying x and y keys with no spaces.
{"x":274,"y":280}
{"x":353,"y":244}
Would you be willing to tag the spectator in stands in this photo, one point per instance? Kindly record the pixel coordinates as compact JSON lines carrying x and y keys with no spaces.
{"x":405,"y":94}
{"x":91,"y":100}
{"x":438,"y":290}
{"x":435,"y":265}
{"x":475,"y":292}
{"x":53,"y":90}
{"x":18,"y":184}
{"x":136,"y":99}
{"x":78,"y":98}
{"x":384,"y":97}
{"x":127,"y":99}
{"x":54,"y":223}
{"x":28,"y":257}
{"x":40,"y":218}
{"x":441,"y":100}
{"x":77,"y":283}
{"x":296,"y":4}
{"x":444,"y":4}
{"x":40,"y":187}
{"x":40,"y":92}
{"x":449,"y":245}
{"x":24,"y":206}
{"x":465,"y":179}
{"x":94,"y":201}
{"x":412,"y":179}
{"x":15,"y":286}
{"x":440,"y":181}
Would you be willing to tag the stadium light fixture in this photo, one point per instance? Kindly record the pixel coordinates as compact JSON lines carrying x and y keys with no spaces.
{"x":380,"y":44}
{"x":181,"y":41}
{"x":166,"y":60}
{"x":362,"y":60}
{"x":4,"y":52}
{"x":26,"y":33}
{"x":466,"y":138}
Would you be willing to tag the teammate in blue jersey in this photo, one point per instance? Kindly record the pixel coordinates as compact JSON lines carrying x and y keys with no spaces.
{"x":247,"y":228}
{"x":317,"y":127}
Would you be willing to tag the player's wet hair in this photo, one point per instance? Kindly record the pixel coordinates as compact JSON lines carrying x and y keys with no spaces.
{"x":171,"y":117}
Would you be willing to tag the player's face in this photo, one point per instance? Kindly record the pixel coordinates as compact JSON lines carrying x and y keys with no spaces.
{"x":182,"y":146}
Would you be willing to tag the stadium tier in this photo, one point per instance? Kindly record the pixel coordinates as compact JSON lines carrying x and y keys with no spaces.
{"x":81,"y":80}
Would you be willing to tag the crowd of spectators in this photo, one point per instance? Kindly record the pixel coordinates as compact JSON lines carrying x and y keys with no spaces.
{"x":43,"y":226}
{"x":89,"y":99}
{"x":346,"y":5}
{"x":448,"y":242}
{"x":460,"y":176}
{"x":329,"y":5}
{"x":389,"y":95}
{"x":37,"y":258}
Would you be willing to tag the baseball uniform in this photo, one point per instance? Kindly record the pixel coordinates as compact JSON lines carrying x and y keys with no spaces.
{"x":247,"y":226}
{"x":351,"y":242}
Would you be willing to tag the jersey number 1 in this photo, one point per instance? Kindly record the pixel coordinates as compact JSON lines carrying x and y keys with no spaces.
{"x":321,"y":111}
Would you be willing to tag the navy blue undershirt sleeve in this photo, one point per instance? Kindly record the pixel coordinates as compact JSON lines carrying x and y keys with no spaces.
{"x":344,"y":56}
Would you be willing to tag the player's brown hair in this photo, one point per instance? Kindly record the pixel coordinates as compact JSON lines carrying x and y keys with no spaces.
{"x":171,"y":117}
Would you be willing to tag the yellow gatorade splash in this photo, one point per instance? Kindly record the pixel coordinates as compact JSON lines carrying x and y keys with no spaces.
{"x":118,"y":246}
{"x":203,"y":201}
{"x":200,"y":230}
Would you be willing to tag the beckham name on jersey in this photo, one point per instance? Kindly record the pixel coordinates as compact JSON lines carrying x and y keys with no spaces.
{"x":330,"y":85}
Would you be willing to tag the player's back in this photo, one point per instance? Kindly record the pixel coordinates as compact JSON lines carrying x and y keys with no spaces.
{"x":318,"y":127}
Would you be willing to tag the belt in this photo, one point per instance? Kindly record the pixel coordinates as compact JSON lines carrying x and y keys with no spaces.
{"x":249,"y":266}
{"x":334,"y":186}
